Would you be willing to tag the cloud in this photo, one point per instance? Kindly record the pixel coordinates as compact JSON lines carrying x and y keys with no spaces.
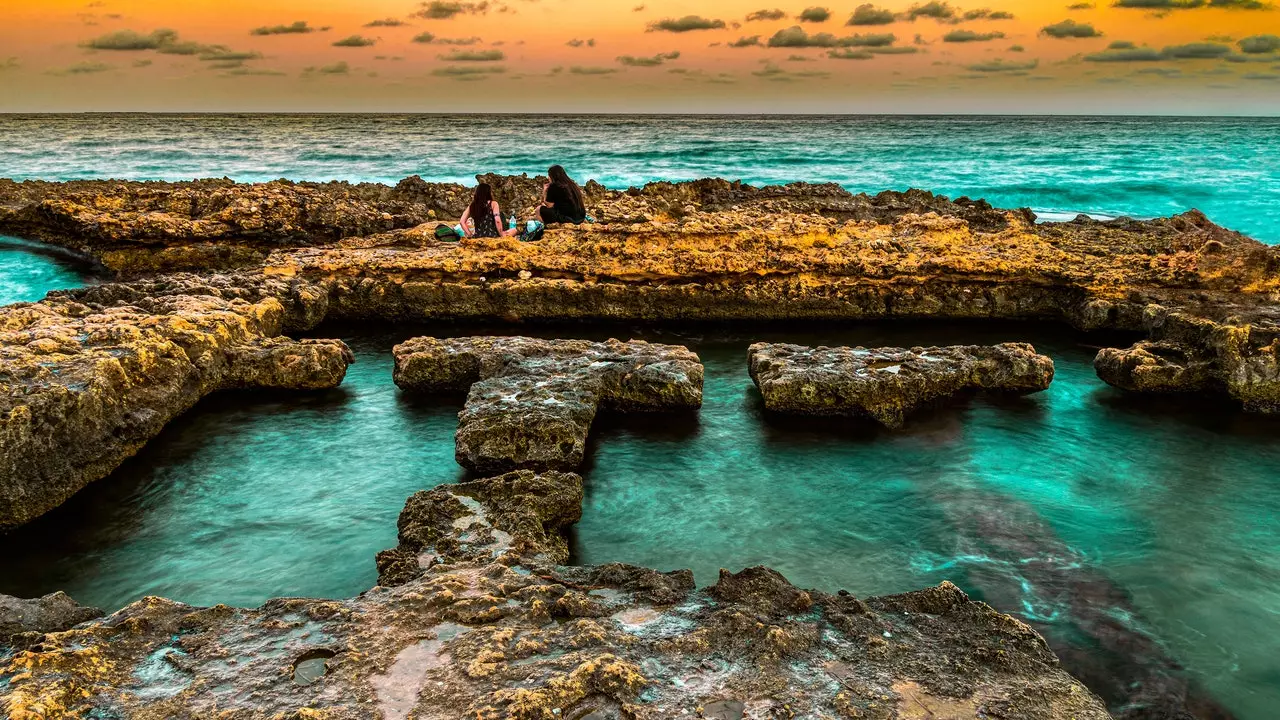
{"x":849,"y":54}
{"x":1259,"y":44}
{"x":648,"y":61}
{"x":10,"y":63}
{"x":440,"y":10}
{"x":338,"y":68}
{"x":588,"y":70}
{"x":386,"y":22}
{"x":474,"y":56}
{"x":685,"y":24}
{"x":471,"y":72}
{"x":427,"y":38}
{"x":222,"y":54}
{"x":129,"y":40}
{"x":83,"y":68}
{"x":1260,"y":76}
{"x":248,"y":71}
{"x":753,"y":41}
{"x":1070,"y":29}
{"x":1160,"y":71}
{"x":869,"y":14}
{"x":1017,"y":48}
{"x":1197,"y":51}
{"x":935,"y":9}
{"x":796,"y":37}
{"x":1191,"y":4}
{"x":1126,"y":54}
{"x":766,"y":15}
{"x":987,"y":14}
{"x":964,"y":36}
{"x":776,"y":74}
{"x":580,"y":43}
{"x":298,"y":28}
{"x":1003,"y":66}
{"x":354,"y":41}
{"x":142,"y":63}
{"x":1081,"y":6}
{"x":814,"y":15}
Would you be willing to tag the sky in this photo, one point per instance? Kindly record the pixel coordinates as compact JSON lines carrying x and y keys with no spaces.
{"x":1194,"y":57}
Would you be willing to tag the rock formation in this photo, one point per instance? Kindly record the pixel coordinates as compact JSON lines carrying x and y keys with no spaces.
{"x":1193,"y":354}
{"x":54,"y":612}
{"x":475,"y":619}
{"x":84,"y":385}
{"x":531,"y":402}
{"x":887,"y":384}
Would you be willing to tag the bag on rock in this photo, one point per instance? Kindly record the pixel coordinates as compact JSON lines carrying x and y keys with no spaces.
{"x":446,"y":233}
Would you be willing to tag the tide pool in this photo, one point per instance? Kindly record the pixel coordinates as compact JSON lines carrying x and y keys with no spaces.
{"x":1135,"y":534}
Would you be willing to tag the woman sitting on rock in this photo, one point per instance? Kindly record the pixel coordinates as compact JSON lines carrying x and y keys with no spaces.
{"x":483,"y":218}
{"x":562,"y":199}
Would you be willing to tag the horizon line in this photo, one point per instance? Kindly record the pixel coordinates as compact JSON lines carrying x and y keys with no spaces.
{"x":302,"y":113}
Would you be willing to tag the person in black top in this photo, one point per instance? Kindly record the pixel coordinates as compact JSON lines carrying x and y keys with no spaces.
{"x":562,"y":199}
{"x":484,"y":215}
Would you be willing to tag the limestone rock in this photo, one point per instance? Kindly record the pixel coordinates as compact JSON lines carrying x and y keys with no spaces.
{"x":531,"y":402}
{"x":54,"y":612}
{"x":887,"y":384}
{"x":84,"y":386}
{"x":485,"y":624}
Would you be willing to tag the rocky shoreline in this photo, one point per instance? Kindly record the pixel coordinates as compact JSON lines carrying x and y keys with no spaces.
{"x":213,"y":278}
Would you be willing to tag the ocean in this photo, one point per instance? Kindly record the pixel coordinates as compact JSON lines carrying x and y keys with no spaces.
{"x":1229,"y":168}
{"x":1140,"y":535}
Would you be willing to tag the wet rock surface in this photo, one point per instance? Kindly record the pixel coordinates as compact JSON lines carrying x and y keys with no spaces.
{"x":488,"y":625}
{"x":530,"y":402}
{"x":84,"y":385}
{"x":888,"y":384}
{"x":54,"y":612}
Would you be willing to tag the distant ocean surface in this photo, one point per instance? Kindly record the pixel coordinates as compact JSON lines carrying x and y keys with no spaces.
{"x":1058,"y":166}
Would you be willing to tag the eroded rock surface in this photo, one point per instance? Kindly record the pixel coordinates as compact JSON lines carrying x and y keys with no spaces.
{"x":1193,"y":354}
{"x":83,"y":385}
{"x":486,"y":625}
{"x":530,"y":402}
{"x":54,"y":612}
{"x":888,"y":384}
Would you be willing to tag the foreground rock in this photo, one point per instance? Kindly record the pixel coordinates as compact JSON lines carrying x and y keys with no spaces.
{"x":475,"y":620}
{"x":54,"y":612}
{"x":1192,"y":354}
{"x":83,"y":385}
{"x":888,"y":384}
{"x":530,"y":402}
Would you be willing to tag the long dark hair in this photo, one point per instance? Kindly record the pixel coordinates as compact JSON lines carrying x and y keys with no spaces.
{"x":482,"y":202}
{"x":561,"y":178}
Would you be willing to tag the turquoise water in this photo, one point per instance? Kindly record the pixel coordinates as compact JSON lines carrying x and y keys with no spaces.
{"x":28,"y":271}
{"x":1227,"y":167}
{"x":1138,"y":535}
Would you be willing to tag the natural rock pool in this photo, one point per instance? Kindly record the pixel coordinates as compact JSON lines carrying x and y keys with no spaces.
{"x":1136,"y":534}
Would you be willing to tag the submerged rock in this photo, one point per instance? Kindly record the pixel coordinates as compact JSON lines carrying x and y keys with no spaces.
{"x":54,"y":612}
{"x":531,"y":402}
{"x":887,"y":384}
{"x":83,"y":386}
{"x":490,"y":626}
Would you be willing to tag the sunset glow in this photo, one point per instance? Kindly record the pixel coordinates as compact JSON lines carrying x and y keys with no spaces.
{"x":1215,"y":56}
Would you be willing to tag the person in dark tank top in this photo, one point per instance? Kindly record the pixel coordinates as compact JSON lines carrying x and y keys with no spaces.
{"x":483,"y":217}
{"x":562,"y":200}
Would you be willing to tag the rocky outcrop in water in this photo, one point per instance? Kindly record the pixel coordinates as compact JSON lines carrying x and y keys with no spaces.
{"x":530,"y":402}
{"x":888,"y":384}
{"x":475,"y":619}
{"x":1191,"y":354}
{"x":84,"y":385}
{"x":54,"y":612}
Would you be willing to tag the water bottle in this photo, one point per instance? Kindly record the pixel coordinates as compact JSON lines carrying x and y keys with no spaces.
{"x":511,"y":223}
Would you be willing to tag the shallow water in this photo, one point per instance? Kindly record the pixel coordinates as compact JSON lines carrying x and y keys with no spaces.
{"x":28,"y":271}
{"x":1143,"y":167}
{"x":1137,"y":535}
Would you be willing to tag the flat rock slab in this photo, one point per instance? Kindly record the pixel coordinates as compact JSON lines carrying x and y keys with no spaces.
{"x":531,"y":402}
{"x":887,"y":384}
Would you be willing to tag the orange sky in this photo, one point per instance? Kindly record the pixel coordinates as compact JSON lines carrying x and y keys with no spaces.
{"x":523,"y":61}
